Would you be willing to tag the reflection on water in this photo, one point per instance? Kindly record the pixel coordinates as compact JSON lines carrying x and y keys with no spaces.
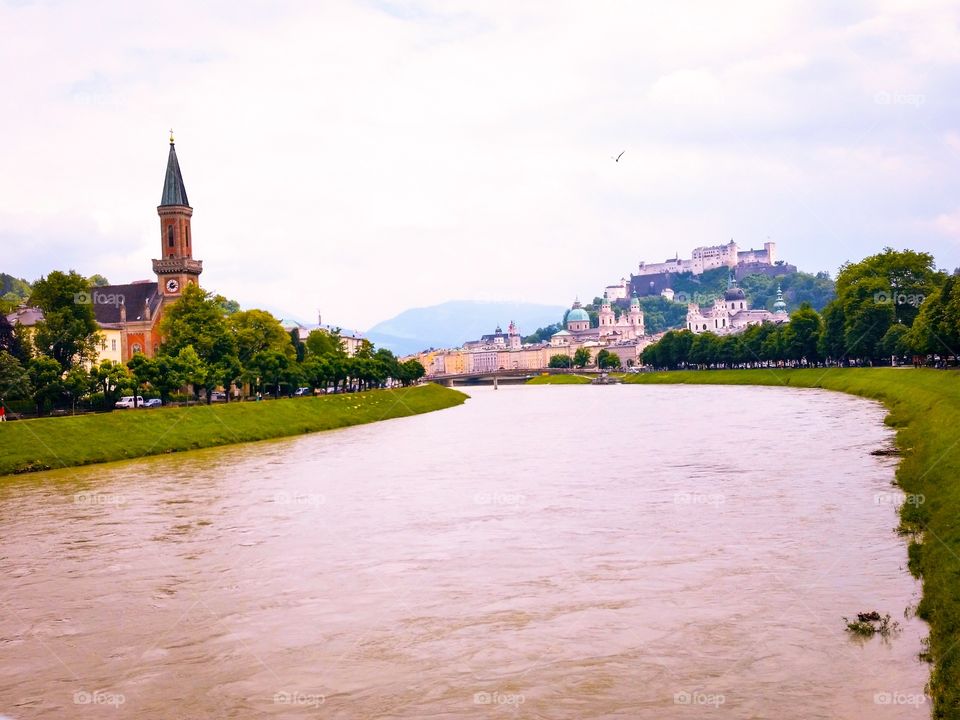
{"x":559,"y":552}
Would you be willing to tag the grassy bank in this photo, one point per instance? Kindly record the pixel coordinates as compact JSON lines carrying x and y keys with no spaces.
{"x":558,"y":380}
{"x":63,"y":442}
{"x":925,"y":410}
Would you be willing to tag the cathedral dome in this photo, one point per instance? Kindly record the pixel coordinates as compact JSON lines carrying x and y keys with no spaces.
{"x":578,"y":315}
{"x":734,"y":293}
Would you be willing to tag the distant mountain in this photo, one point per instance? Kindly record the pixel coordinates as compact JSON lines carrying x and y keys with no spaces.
{"x":450,"y":324}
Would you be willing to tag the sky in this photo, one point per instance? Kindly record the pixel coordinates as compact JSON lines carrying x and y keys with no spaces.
{"x":358,"y":158}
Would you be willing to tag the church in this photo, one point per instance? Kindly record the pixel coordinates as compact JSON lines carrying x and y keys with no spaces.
{"x":129,"y":315}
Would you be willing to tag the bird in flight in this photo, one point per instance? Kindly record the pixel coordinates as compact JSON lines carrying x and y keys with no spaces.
{"x":617,"y":158}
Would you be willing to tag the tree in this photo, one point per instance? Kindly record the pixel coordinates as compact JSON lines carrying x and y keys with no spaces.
{"x":76,"y":384}
{"x":197,"y":321}
{"x":607,"y":360}
{"x":832,"y":343}
{"x":144,"y":371}
{"x":46,"y":380}
{"x":108,"y":378}
{"x":11,"y":342}
{"x":802,"y":336}
{"x":411,"y":371}
{"x":193,"y":370}
{"x":560,"y":361}
{"x":936,"y":330}
{"x":321,"y":342}
{"x":68,"y":332}
{"x":257,"y":330}
{"x":229,"y":307}
{"x":96,"y":280}
{"x":581,"y":358}
{"x":14,"y":379}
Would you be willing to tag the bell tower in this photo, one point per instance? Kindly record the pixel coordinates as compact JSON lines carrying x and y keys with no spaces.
{"x":176,"y":267}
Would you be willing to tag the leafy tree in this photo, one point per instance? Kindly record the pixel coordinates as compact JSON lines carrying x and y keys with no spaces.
{"x":193,"y":370}
{"x":109,"y":378}
{"x":68,"y":332}
{"x":14,"y":379}
{"x":257,"y":330}
{"x":229,"y":307}
{"x":802,"y":336}
{"x":76,"y":384}
{"x":832,"y":343}
{"x":321,"y":342}
{"x":96,"y":280}
{"x":197,"y":321}
{"x":896,"y":341}
{"x":11,"y":342}
{"x":607,"y":360}
{"x":560,"y":361}
{"x":46,"y":380}
{"x":543,"y":334}
{"x":936,"y":330}
{"x":144,"y":371}
{"x":581,"y":358}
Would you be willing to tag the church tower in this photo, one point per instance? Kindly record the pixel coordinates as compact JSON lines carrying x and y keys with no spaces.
{"x":176,"y":267}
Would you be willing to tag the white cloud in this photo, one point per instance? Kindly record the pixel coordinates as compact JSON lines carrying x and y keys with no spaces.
{"x":365,"y":157}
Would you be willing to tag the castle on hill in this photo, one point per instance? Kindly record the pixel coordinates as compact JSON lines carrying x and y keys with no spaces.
{"x":657,"y":278}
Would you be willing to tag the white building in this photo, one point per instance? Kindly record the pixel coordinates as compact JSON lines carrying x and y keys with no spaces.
{"x":732,"y":313}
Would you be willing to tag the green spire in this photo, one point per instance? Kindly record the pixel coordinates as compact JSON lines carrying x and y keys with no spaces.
{"x":174,"y":193}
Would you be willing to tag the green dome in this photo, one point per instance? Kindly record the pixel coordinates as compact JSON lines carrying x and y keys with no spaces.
{"x":578,"y":315}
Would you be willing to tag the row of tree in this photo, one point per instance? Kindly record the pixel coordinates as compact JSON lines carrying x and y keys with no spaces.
{"x":208,"y":345}
{"x":605,"y":360}
{"x":893,"y":304}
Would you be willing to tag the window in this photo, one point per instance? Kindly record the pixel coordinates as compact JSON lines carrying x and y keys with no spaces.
{"x":169,"y":235}
{"x":113,"y":345}
{"x":136,"y":348}
{"x":186,"y":234}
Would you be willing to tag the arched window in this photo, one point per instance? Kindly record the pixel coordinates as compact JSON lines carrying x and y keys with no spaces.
{"x":170,"y":235}
{"x":136,"y":348}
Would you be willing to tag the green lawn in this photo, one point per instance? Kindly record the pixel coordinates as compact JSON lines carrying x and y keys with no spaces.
{"x":62,"y":442}
{"x":559,"y":380}
{"x":924,"y":408}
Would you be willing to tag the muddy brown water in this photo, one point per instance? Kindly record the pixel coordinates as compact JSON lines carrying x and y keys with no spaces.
{"x":554,"y":552}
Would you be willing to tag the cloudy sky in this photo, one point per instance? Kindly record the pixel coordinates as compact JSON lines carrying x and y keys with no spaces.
{"x":364,"y":157}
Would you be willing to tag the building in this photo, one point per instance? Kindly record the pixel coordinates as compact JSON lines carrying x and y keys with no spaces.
{"x":732,"y":313}
{"x":498,"y":339}
{"x":129,"y":315}
{"x":712,"y":256}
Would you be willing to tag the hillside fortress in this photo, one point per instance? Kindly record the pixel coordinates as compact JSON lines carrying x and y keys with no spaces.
{"x":710,"y":257}
{"x":655,"y":278}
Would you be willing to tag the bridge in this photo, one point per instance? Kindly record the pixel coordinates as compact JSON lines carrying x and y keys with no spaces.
{"x":507,"y":377}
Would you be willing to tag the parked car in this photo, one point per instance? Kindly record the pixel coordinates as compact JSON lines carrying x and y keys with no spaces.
{"x":302,"y":391}
{"x":152,"y":403}
{"x":218,"y":396}
{"x":127,"y":402}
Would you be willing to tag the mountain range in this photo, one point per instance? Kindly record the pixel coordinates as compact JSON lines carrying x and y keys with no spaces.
{"x":452,"y":323}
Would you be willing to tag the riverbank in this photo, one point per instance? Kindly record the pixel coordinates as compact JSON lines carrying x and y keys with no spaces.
{"x":559,"y":380}
{"x":48,"y":443}
{"x":924,"y":409}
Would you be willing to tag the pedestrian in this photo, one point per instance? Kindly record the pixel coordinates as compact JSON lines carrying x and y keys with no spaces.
{"x":3,"y":413}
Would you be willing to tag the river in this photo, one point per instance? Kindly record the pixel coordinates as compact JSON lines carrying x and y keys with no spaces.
{"x":544,"y":552}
